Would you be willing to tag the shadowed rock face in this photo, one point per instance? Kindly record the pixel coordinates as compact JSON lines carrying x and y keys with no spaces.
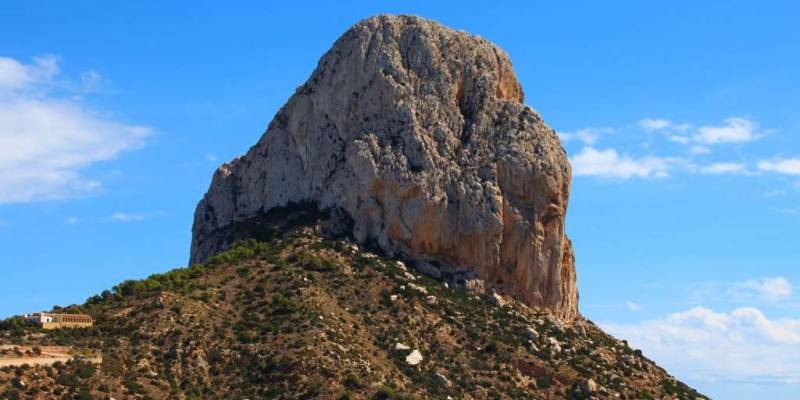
{"x":418,"y":134}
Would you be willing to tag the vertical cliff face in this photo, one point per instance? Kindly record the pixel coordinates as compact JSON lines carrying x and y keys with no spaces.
{"x":417,"y":134}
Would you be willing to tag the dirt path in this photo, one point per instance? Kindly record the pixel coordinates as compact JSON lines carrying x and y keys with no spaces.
{"x":49,"y":355}
{"x":16,"y":362}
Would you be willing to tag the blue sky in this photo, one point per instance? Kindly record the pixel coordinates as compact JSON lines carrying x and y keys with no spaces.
{"x":680,"y":119}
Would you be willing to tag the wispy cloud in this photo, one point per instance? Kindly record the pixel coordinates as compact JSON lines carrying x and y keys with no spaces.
{"x":633,"y":306}
{"x":775,"y":193}
{"x":791,"y":211}
{"x":699,"y":150}
{"x":788,"y":166}
{"x":661,"y":124}
{"x":47,"y":138}
{"x":609,"y":163}
{"x":72,"y":220}
{"x":741,"y":345}
{"x":732,"y":130}
{"x":724,"y":168}
{"x":121,"y":216}
{"x":772,"y":290}
{"x":586,"y":135}
{"x":93,"y":81}
{"x":763,"y":290}
{"x":15,"y":75}
{"x":654,"y":124}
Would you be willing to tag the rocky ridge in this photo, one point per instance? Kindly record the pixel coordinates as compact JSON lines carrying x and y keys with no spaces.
{"x":416,"y":138}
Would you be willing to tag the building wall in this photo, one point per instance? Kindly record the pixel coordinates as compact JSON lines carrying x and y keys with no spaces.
{"x":58,"y":325}
{"x":56,"y":321}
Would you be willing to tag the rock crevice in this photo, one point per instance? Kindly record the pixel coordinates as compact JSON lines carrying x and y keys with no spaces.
{"x":418,"y":133}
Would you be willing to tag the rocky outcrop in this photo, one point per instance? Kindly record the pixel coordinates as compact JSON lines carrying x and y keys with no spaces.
{"x":416,"y":134}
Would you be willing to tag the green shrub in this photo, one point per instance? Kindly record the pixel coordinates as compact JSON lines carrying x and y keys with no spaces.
{"x":281,"y":304}
{"x":67,"y":380}
{"x":13,"y":323}
{"x":352,"y":381}
{"x":84,"y":394}
{"x":11,"y":394}
{"x":85,"y":371}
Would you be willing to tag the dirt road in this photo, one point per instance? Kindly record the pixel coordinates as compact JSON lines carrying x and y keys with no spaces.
{"x":49,"y":356}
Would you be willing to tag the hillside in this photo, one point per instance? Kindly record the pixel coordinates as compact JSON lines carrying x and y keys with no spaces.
{"x":297,"y":316}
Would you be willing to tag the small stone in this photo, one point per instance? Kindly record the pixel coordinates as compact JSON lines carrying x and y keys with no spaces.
{"x":554,"y":344}
{"x":414,"y":358}
{"x":497,"y":300}
{"x":442,"y":380}
{"x":418,"y":288}
{"x":431,"y":300}
{"x":401,"y":347}
{"x":393,"y":297}
{"x":531,"y":333}
{"x":589,"y":387}
{"x":474,"y":287}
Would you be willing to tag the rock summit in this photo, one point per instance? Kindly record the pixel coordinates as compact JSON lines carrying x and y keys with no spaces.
{"x":416,"y":136}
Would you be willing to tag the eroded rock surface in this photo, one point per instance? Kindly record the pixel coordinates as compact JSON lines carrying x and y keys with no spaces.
{"x":418,"y":133}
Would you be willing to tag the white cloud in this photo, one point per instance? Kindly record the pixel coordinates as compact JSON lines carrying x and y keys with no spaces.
{"x":121,"y":216}
{"x":764,"y":290}
{"x":72,"y":220}
{"x":788,"y":166}
{"x":654,"y":124}
{"x":734,"y":130}
{"x":724,"y":168}
{"x":211,"y":157}
{"x":791,"y":211}
{"x":772,"y":290}
{"x":633,"y":306}
{"x":679,"y":139}
{"x":92,"y":81}
{"x":610,"y":164}
{"x":743,"y":345}
{"x":775,"y":193}
{"x":586,"y":135}
{"x":699,"y":150}
{"x":46,"y":139}
{"x":15,"y":75}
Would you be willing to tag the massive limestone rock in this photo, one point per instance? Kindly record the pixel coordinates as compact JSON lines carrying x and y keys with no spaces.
{"x":419,"y":135}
